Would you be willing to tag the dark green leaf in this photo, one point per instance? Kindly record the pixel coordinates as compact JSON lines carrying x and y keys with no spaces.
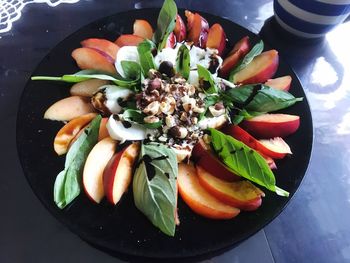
{"x":68,"y":182}
{"x":206,"y":80}
{"x":265,"y":99}
{"x":183,"y":61}
{"x":92,"y":74}
{"x":244,"y":161}
{"x":131,"y":69}
{"x":165,"y":23}
{"x":145,"y":54}
{"x":255,"y":51}
{"x":154,"y":186}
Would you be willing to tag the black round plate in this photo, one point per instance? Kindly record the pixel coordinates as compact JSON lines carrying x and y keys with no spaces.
{"x":123,"y":229}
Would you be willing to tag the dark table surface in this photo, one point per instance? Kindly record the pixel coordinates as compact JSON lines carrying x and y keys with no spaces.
{"x":315,"y":225}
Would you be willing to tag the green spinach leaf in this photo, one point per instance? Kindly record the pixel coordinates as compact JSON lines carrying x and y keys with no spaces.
{"x":165,"y":23}
{"x":132,"y":69}
{"x":145,"y":54}
{"x":68,"y":182}
{"x":154,"y":185}
{"x":244,"y":161}
{"x":183,"y":61}
{"x":255,"y":51}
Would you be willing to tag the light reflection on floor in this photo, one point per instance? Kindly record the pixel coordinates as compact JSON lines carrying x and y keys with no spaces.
{"x":10,"y":10}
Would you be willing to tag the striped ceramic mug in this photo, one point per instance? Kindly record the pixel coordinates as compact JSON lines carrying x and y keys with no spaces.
{"x":310,"y":18}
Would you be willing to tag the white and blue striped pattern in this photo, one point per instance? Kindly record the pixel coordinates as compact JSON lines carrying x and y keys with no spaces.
{"x":310,"y":18}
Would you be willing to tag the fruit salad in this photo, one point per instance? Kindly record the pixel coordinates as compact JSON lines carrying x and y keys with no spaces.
{"x":173,"y":112}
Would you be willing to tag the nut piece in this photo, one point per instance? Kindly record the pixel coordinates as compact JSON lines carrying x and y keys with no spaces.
{"x":98,"y":100}
{"x":151,"y":119}
{"x":167,"y":106}
{"x":188,"y":103}
{"x":178,"y":132}
{"x":216,"y":110}
{"x":170,"y":121}
{"x":152,"y":108}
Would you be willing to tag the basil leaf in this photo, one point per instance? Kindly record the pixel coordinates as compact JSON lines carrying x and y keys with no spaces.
{"x":138,"y":117}
{"x":145,"y":54}
{"x":92,"y":74}
{"x":131,"y":69}
{"x":244,"y":161}
{"x":183,"y":61}
{"x":165,"y":23}
{"x":206,"y":80}
{"x":264,"y":99}
{"x":209,"y":100}
{"x":255,"y":51}
{"x":68,"y":182}
{"x":154,"y":185}
{"x":238,"y":115}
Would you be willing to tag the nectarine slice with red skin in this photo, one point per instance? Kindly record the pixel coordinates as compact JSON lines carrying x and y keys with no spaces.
{"x":171,"y":41}
{"x":69,"y":108}
{"x":262,"y":68}
{"x":87,"y":58}
{"x":103,"y":132}
{"x":66,"y":134}
{"x":217,"y":38}
{"x":94,"y":166}
{"x":240,"y":134}
{"x":241,"y":194}
{"x":143,"y":28}
{"x":198,"y":199}
{"x":180,"y":29}
{"x":128,"y":40}
{"x":87,"y":88}
{"x":103,"y":45}
{"x":281,"y":83}
{"x":117,"y":174}
{"x":276,"y":145}
{"x":197,"y":29}
{"x":203,"y":156}
{"x":272,"y":125}
{"x":240,"y":49}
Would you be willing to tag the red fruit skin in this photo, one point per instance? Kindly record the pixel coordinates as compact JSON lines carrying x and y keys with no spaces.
{"x":171,"y":41}
{"x":180,"y":29}
{"x":239,"y":134}
{"x":203,"y":157}
{"x":240,"y":49}
{"x":267,"y":130}
{"x":197,"y":29}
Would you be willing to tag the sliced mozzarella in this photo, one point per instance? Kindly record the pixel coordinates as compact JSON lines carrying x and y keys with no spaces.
{"x":193,"y":78}
{"x":113,"y":94}
{"x":167,"y":54}
{"x":118,"y":132}
{"x":126,"y":53}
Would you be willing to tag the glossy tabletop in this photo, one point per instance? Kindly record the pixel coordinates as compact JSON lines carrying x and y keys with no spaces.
{"x":315,"y":225}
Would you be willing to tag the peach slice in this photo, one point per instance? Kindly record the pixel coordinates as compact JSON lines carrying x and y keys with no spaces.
{"x":262,"y":68}
{"x":128,"y":40}
{"x":197,"y":29}
{"x":66,"y":134}
{"x":180,"y":29}
{"x":143,"y":29}
{"x":171,"y":41}
{"x":69,"y":108}
{"x":198,"y":199}
{"x":240,"y":49}
{"x":272,"y":125}
{"x":118,"y":173}
{"x":203,"y":156}
{"x":276,"y":149}
{"x":217,"y":38}
{"x":94,"y":166}
{"x":103,"y":132}
{"x":281,"y":83}
{"x":103,"y":45}
{"x":88,"y":87}
{"x":242,"y":194}
{"x":87,"y":58}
